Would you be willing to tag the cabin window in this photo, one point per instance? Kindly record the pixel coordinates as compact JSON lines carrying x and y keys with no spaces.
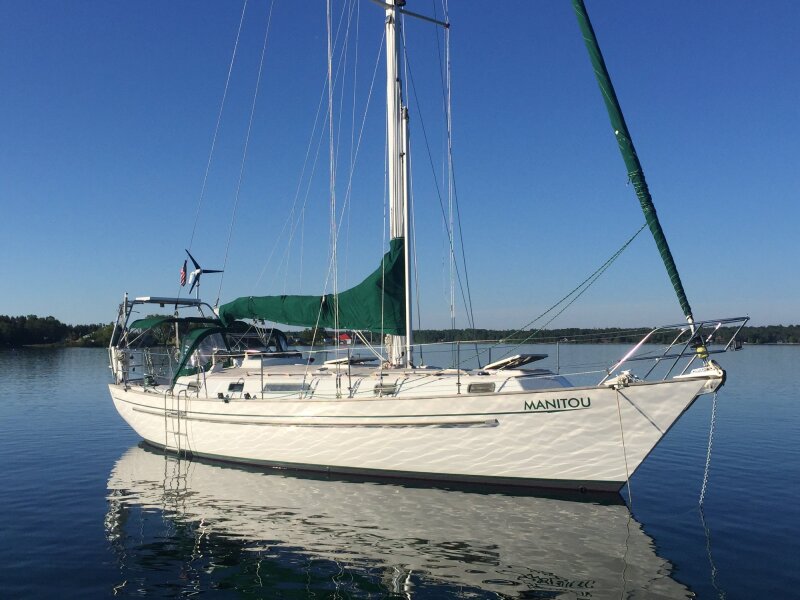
{"x":386,"y":389}
{"x":286,"y":387}
{"x":236,"y":387}
{"x":480,"y":388}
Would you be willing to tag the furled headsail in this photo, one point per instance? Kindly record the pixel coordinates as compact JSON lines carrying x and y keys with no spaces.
{"x":376,"y":304}
{"x":635,"y":172}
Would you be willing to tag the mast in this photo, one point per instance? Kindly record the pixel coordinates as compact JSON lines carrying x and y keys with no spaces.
{"x":625,"y":143}
{"x":407,"y":244}
{"x":399,"y":347}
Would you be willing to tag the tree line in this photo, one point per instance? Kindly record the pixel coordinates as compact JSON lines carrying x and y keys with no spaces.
{"x":764,"y":334}
{"x":33,"y":330}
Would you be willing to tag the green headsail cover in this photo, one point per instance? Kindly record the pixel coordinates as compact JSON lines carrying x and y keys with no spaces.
{"x":376,"y":304}
{"x":625,"y":143}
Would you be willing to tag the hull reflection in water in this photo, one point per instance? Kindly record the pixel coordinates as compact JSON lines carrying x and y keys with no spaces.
{"x":179,"y":525}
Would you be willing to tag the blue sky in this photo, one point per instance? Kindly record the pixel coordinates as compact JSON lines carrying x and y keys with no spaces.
{"x":108,"y":109}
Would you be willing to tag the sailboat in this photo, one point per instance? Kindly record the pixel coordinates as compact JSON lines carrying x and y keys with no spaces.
{"x":198,"y":385}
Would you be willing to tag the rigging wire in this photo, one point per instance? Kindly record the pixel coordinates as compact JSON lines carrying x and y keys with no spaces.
{"x":332,"y":170}
{"x":348,"y":192}
{"x":349,"y":188}
{"x":384,"y":231}
{"x":290,"y":219}
{"x":450,"y":181}
{"x":411,"y":215}
{"x":216,"y":128}
{"x":244,"y":151}
{"x":203,"y":187}
{"x":445,"y":167}
{"x":450,"y":217}
{"x":336,"y":224}
{"x":329,"y":85}
{"x":470,"y":313}
{"x":345,"y":52}
{"x":450,"y":225}
{"x":343,"y":61}
{"x":452,"y":186}
{"x":417,"y":293}
{"x":450,"y":238}
{"x":347,"y":196}
{"x":352,"y":136}
{"x":577,"y":292}
{"x":336,"y":229}
{"x":445,"y":75}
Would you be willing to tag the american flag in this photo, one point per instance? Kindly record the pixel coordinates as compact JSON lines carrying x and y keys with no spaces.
{"x":183,"y":274}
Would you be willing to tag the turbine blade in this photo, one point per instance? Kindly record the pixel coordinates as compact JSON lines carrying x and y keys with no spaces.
{"x":196,"y":265}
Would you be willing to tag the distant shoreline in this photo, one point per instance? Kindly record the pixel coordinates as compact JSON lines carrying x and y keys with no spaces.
{"x":34,"y":331}
{"x":36,"y":347}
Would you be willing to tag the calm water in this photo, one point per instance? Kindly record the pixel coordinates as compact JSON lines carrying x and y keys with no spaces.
{"x":87,"y":512}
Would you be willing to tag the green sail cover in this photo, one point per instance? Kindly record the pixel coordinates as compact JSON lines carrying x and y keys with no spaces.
{"x":376,"y":304}
{"x":635,"y":172}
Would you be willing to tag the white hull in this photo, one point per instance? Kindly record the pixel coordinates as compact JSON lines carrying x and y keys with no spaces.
{"x":572,"y":438}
